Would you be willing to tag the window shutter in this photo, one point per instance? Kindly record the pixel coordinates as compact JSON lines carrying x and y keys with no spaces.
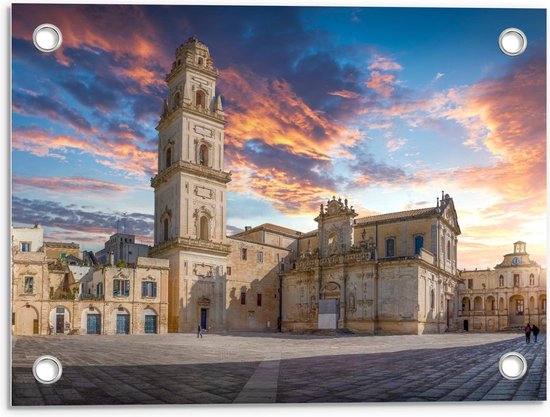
{"x":154,"y":289}
{"x":144,"y":288}
{"x":116,"y":287}
{"x":127,"y":288}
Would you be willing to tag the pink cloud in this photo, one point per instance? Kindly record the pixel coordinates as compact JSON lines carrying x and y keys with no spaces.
{"x":384,"y":63}
{"x":382,"y":83}
{"x":65,"y":184}
{"x":345,"y":94}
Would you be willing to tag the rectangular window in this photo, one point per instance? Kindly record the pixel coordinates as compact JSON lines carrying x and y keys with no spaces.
{"x":29,"y":285}
{"x":260,"y":257}
{"x":519,"y":306}
{"x":25,"y":246}
{"x":148,"y":289}
{"x":470,"y":284}
{"x":243,"y":298}
{"x":259,"y":300}
{"x":228,"y":270}
{"x":121,"y":287}
{"x":390,"y":248}
{"x":244,"y":254}
{"x":516,"y":280}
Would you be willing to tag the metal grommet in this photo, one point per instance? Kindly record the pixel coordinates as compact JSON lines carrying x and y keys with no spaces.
{"x":47,"y":369}
{"x":512,"y":365}
{"x":47,"y":37}
{"x":512,"y":41}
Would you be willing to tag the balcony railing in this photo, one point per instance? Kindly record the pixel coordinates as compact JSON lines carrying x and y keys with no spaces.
{"x":92,"y":297}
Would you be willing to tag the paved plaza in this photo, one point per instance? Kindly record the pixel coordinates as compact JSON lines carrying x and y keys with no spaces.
{"x":260,"y":368}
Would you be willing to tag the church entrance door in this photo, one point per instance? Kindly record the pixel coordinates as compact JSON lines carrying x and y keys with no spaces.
{"x":203,"y":317}
{"x":328,"y":314}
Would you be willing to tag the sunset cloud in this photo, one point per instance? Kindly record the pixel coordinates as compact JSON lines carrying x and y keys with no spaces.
{"x":382,"y":83}
{"x":260,"y":108}
{"x":71,"y":221}
{"x":132,"y":39}
{"x":66,"y":185}
{"x":345,"y":94}
{"x":384,"y":63}
{"x":118,"y":154}
{"x":394,"y":144}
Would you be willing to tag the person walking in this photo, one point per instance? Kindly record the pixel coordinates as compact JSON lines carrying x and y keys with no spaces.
{"x":527,"y":330}
{"x":199,"y":332}
{"x":535,"y":331}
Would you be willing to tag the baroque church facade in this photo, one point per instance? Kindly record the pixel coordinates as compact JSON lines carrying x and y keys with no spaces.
{"x":392,"y":273}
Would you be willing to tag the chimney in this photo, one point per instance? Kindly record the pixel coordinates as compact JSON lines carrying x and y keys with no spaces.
{"x":247,"y":228}
{"x":111,"y":258}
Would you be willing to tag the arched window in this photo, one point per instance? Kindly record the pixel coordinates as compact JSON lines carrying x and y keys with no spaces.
{"x":200,"y":61}
{"x":203,"y":155}
{"x":449,"y":250}
{"x":501,"y":281}
{"x":203,"y":233}
{"x":165,"y":223}
{"x":432,"y":299}
{"x":99,"y":288}
{"x":531,"y":279}
{"x":390,"y":247}
{"x":331,"y":240}
{"x":177,"y":99}
{"x":200,"y":99}
{"x":418,"y":244}
{"x":168,"y":157}
{"x":478,"y":304}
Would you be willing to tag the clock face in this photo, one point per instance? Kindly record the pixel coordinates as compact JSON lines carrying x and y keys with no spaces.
{"x":516,"y":260}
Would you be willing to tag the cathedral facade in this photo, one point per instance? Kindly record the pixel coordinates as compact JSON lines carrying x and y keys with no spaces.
{"x":393,"y":273}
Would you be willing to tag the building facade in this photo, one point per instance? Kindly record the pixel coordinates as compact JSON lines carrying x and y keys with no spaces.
{"x":506,"y":297}
{"x":392,"y":273}
{"x":122,"y":247}
{"x":51,"y":296}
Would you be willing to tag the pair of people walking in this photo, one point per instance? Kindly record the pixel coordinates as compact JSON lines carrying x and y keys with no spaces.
{"x":528,"y":330}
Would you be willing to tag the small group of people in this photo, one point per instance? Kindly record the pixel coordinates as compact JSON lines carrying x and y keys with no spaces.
{"x":531,"y":329}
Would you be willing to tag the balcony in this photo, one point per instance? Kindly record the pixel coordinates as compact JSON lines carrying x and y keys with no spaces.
{"x":197,"y":245}
{"x":191,"y":168}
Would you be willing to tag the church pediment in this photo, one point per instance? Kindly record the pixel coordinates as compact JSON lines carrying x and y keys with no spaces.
{"x":449,"y":214}
{"x":336,"y":207}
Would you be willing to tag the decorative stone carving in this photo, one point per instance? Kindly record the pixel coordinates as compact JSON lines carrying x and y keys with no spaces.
{"x":203,"y":131}
{"x":203,"y":270}
{"x":204,"y":192}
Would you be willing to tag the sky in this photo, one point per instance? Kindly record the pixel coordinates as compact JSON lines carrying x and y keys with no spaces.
{"x":386,"y":107}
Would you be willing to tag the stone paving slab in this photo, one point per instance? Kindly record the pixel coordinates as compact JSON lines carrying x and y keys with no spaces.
{"x":181,"y":369}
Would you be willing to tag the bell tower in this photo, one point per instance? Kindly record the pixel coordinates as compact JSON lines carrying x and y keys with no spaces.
{"x":191,"y":188}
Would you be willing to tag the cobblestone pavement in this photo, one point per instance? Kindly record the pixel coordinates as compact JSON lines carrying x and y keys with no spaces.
{"x":244,"y":368}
